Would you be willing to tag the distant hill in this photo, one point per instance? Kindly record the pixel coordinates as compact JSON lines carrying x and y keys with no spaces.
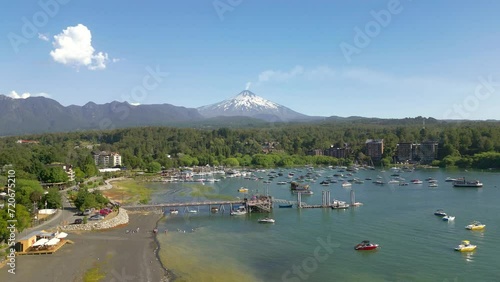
{"x":40,"y":115}
{"x":43,"y":115}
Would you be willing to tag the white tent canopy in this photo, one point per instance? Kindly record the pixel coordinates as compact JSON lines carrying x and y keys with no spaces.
{"x":61,"y":235}
{"x":53,"y":241}
{"x":40,"y":242}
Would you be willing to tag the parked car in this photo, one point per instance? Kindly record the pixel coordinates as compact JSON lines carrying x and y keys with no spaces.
{"x":96,"y":217}
{"x":104,"y":212}
{"x":87,"y":212}
{"x":78,"y":221}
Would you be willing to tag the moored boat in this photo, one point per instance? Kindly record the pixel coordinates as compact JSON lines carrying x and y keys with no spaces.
{"x":440,"y":212}
{"x":243,"y":190}
{"x":465,"y":246}
{"x":365,"y":246}
{"x":240,"y":211}
{"x":448,"y":218}
{"x":461,"y":182}
{"x":346,"y":184}
{"x":475,"y":225}
{"x":285,"y":206}
{"x":267,"y":220}
{"x":336,"y":204}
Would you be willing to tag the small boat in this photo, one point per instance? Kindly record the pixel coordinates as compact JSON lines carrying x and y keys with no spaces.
{"x":461,"y":182}
{"x":336,"y":204}
{"x":243,"y":190}
{"x":281,"y":183}
{"x":448,"y":218}
{"x":417,"y":181}
{"x":240,"y":211}
{"x":449,"y":179}
{"x":365,"y":246}
{"x":465,"y":246}
{"x":285,"y":206}
{"x":173,"y":211}
{"x":346,"y":184}
{"x":393,"y":181}
{"x":214,"y":210}
{"x":475,"y":225}
{"x":440,"y":212}
{"x":266,"y":220}
{"x":192,"y":211}
{"x":433,"y":185}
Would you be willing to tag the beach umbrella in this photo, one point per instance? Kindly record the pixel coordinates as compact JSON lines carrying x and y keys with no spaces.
{"x":53,"y":241}
{"x":61,"y":235}
{"x":40,"y":242}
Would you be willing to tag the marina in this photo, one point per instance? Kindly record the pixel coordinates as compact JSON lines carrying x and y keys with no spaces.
{"x":408,"y":223}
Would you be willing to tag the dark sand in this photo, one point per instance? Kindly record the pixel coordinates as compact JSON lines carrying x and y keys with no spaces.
{"x":120,"y":256}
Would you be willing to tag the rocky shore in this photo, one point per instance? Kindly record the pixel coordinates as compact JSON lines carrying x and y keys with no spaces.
{"x":120,"y":219}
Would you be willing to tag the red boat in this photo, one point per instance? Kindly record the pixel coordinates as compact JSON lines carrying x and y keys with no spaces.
{"x":365,"y":246}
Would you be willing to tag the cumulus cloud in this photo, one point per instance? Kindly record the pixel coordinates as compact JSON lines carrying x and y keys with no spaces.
{"x":15,"y":95}
{"x":73,"y":47}
{"x":43,"y":37}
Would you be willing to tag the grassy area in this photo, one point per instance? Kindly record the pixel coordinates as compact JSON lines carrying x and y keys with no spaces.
{"x":128,"y":191}
{"x":94,"y":274}
{"x":202,"y":191}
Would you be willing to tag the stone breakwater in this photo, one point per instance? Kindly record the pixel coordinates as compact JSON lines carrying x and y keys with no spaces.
{"x":120,"y":219}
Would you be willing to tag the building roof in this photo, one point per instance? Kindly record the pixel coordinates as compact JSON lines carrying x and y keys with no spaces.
{"x":374,"y":141}
{"x":31,"y":234}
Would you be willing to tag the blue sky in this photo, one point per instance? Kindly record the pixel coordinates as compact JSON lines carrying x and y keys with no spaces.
{"x":390,"y":59}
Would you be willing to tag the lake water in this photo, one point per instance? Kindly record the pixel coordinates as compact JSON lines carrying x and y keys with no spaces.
{"x":318,"y":244}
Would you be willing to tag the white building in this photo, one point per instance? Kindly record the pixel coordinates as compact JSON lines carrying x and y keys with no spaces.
{"x":107,"y":159}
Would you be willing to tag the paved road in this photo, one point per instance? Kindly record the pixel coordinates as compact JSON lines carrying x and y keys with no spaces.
{"x":66,"y":215}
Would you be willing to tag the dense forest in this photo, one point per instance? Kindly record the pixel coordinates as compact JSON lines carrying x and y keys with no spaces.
{"x":465,"y":144}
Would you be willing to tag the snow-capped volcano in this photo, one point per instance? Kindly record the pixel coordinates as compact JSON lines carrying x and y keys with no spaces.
{"x":248,"y":104}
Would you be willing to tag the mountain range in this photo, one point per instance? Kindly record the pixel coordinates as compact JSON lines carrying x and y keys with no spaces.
{"x":42,"y":115}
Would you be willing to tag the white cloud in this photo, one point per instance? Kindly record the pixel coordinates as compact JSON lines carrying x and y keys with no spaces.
{"x":272,"y":75}
{"x":43,"y":37}
{"x":73,"y":47}
{"x":359,"y":77}
{"x":15,"y":95}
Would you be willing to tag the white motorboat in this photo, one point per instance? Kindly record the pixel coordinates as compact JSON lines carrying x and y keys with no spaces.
{"x":267,"y":220}
{"x":448,"y":218}
{"x":240,"y":211}
{"x":346,"y":184}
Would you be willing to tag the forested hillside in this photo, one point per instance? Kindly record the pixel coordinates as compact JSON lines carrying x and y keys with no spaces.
{"x":466,"y":144}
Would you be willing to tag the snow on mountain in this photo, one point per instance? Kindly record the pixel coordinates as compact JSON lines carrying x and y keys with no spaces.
{"x":248,"y":104}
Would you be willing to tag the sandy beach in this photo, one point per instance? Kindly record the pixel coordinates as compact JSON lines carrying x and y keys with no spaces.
{"x":113,"y":255}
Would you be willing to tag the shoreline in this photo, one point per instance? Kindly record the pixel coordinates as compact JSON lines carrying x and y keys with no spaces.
{"x":123,"y":253}
{"x":169,"y":275}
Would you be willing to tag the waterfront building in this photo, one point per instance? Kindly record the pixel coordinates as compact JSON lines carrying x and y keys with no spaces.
{"x":374,"y":149}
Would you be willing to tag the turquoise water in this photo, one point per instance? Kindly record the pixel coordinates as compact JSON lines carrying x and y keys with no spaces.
{"x":317,"y":244}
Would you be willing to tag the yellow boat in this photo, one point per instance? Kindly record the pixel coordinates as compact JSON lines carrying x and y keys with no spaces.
{"x":466,"y":246}
{"x":243,"y":190}
{"x":475,"y":225}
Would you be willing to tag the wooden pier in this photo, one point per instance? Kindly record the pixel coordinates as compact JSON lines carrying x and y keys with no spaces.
{"x":259,"y":204}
